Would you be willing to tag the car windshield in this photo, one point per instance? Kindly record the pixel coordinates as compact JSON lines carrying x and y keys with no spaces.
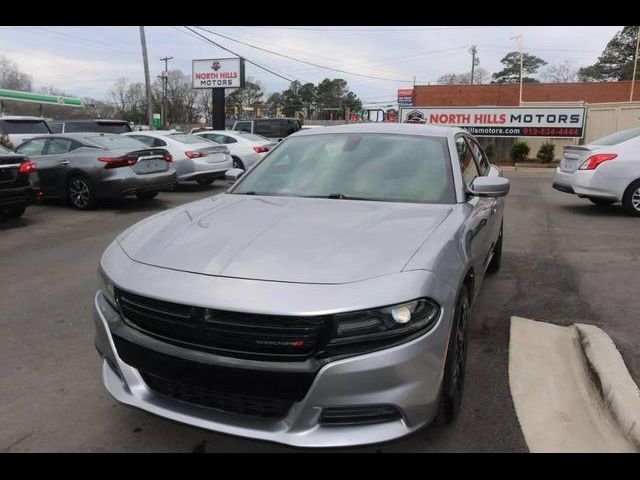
{"x":23,"y":126}
{"x":98,"y":127}
{"x":617,"y":137}
{"x":186,"y":138}
{"x":113,"y":142}
{"x":381,"y":167}
{"x":252,"y":136}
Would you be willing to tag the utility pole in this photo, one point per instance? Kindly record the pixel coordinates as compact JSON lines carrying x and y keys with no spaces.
{"x":165,"y":80}
{"x":635,"y":65}
{"x":147,"y":79}
{"x":473,"y":50}
{"x":519,"y":38}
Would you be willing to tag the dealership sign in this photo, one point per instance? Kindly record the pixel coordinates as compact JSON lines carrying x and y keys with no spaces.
{"x":218,"y":73}
{"x":405,"y":96}
{"x":503,"y":121}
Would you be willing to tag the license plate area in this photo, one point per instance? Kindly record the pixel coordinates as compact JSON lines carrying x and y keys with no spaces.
{"x":151,"y":165}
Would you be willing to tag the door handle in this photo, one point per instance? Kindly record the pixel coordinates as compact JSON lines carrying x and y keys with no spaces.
{"x":63,"y":162}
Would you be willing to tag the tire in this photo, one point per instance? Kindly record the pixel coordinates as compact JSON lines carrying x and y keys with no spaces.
{"x":147,"y":195}
{"x":602,"y":202}
{"x":455,"y":366}
{"x":14,"y":212}
{"x":237,"y":163}
{"x":631,"y":199}
{"x":205,"y":181}
{"x":80,"y":193}
{"x":496,"y":260}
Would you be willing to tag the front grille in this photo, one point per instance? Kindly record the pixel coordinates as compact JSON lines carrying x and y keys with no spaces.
{"x":229,"y":402}
{"x":238,"y":390}
{"x":244,"y":335}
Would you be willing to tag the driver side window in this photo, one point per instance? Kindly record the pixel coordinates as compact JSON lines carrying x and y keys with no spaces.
{"x":467,"y":162}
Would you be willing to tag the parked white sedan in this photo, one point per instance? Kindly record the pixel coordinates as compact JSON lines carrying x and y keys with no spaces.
{"x":194,"y":158}
{"x":606,"y":171}
{"x":246,"y":148}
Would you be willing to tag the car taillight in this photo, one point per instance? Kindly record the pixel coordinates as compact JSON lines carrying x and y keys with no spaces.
{"x":593,"y":161}
{"x":168,"y":157}
{"x":194,"y":154}
{"x":116,"y":162}
{"x":27,"y":167}
{"x":261,"y":149}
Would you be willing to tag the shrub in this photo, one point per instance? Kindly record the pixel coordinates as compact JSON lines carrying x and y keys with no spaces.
{"x":546,"y":152}
{"x":490,"y":151}
{"x":520,"y":151}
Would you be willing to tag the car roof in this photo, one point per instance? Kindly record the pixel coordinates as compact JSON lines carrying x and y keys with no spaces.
{"x":20,"y":117}
{"x":396,"y":128}
{"x":85,"y":120}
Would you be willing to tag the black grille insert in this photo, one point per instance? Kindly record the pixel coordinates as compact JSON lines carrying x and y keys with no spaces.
{"x":359,"y":415}
{"x":229,"y":402}
{"x":245,"y":335}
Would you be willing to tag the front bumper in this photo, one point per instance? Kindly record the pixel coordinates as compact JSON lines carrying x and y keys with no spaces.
{"x":406,"y":376}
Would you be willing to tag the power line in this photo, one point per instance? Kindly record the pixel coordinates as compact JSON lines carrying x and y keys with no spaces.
{"x":237,"y":55}
{"x":366,"y":30}
{"x":304,"y":61}
{"x":77,"y":38}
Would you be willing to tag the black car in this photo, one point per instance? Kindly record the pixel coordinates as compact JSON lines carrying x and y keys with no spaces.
{"x":17,"y":179}
{"x":99,"y":125}
{"x":276,"y":128}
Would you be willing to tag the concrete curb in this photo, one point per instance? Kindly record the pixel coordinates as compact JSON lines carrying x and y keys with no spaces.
{"x":620,"y":394}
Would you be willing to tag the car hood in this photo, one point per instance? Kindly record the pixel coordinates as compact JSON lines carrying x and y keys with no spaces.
{"x":284,"y":239}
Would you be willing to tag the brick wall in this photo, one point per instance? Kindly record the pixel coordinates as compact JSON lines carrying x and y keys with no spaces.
{"x":507,"y":94}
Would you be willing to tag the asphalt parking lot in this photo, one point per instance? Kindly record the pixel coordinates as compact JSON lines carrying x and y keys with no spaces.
{"x":565,"y":261}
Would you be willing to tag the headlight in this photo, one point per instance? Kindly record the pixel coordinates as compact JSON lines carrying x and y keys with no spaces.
{"x":384,"y":323}
{"x":106,"y":287}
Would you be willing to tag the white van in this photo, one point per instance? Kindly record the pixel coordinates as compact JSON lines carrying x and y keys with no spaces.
{"x":20,"y":129}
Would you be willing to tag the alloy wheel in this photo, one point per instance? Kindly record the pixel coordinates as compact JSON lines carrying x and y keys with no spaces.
{"x":635,"y":199}
{"x":79,"y":193}
{"x":236,"y":163}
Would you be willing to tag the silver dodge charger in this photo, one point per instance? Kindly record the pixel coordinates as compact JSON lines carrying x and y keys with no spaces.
{"x":323,"y":300}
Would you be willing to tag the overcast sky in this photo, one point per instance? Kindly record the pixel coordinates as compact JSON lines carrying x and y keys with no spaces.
{"x":86,"y":61}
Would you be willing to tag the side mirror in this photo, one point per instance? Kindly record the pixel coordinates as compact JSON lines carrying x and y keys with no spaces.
{"x":489,"y":187}
{"x":232,"y":176}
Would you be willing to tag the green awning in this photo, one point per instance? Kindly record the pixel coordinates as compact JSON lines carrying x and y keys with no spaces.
{"x":39,"y":98}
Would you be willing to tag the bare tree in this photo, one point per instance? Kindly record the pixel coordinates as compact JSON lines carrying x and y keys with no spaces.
{"x":480,"y":76}
{"x":12,"y":78}
{"x":563,"y":72}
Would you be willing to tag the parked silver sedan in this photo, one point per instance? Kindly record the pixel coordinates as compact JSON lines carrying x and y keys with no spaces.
{"x":606,"y":171}
{"x":194,"y":158}
{"x":322,"y":301}
{"x":85,"y":167}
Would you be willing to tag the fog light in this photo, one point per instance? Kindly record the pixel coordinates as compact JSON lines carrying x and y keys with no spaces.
{"x":401,"y":314}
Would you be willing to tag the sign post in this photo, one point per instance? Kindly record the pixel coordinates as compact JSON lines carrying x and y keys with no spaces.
{"x":218,"y":74}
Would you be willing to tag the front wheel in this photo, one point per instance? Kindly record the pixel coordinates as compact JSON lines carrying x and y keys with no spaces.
{"x":455,"y":365}
{"x":80,"y":193}
{"x":631,"y":199}
{"x":147,"y":195}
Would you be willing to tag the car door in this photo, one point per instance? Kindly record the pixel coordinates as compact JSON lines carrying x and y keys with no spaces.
{"x":486,"y":169}
{"x":58,"y":153}
{"x":34,"y":149}
{"x":478,"y":233}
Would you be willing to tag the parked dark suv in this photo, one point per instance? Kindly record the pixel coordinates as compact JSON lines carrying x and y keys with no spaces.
{"x":277,"y":128}
{"x":17,"y":177}
{"x":99,"y":125}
